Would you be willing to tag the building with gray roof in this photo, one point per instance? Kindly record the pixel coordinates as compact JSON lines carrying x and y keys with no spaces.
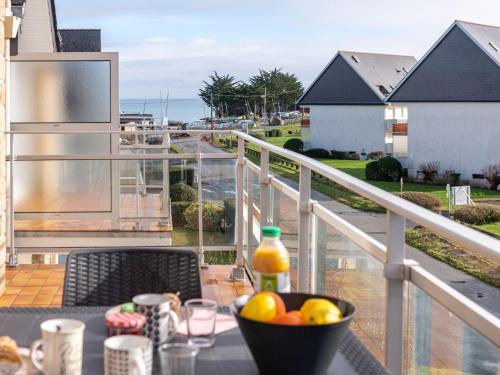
{"x":452,"y":101}
{"x":80,"y":40}
{"x":347,"y":100}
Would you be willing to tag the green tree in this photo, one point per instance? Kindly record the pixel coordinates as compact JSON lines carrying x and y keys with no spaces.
{"x":222,"y":91}
{"x":283,"y":89}
{"x":239,"y":98}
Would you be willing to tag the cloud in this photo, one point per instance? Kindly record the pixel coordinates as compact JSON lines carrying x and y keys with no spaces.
{"x":202,"y":42}
{"x":176,"y":44}
{"x":159,"y":40}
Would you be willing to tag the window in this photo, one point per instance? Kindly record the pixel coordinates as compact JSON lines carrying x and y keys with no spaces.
{"x":383,"y":90}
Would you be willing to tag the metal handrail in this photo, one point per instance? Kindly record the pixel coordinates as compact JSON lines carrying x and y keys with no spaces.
{"x":469,"y":238}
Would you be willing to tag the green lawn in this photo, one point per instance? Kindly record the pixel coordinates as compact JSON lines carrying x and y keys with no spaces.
{"x":493,"y":228}
{"x":460,"y":258}
{"x":356,"y":168}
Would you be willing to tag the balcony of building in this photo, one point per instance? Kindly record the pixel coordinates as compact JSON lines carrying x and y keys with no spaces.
{"x":408,"y":316}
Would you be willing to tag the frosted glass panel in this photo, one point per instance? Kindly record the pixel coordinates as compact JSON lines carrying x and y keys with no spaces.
{"x":62,"y":186}
{"x":60,"y":91}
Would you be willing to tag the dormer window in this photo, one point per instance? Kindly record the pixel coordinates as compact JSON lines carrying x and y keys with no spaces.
{"x":383,"y":90}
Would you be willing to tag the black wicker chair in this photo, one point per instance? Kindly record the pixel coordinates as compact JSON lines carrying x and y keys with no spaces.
{"x":107,"y":277}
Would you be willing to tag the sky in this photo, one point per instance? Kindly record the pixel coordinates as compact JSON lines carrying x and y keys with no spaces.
{"x":173,"y":45}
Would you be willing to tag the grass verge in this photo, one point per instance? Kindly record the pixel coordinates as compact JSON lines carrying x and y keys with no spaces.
{"x":480,"y":267}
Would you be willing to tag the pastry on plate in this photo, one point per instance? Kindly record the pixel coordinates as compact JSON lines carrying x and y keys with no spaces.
{"x":10,"y":360}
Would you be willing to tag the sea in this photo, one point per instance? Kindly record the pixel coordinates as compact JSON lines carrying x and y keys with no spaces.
{"x":183,"y":110}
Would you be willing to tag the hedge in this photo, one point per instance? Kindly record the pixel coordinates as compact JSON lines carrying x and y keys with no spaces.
{"x":339,"y":155}
{"x":229,"y":211}
{"x":375,"y":155}
{"x":371,"y":171}
{"x":317,"y":153}
{"x":180,"y":192}
{"x":478,"y":214}
{"x":423,"y":199}
{"x":294,"y":144}
{"x":177,"y":210}
{"x":212,"y":216}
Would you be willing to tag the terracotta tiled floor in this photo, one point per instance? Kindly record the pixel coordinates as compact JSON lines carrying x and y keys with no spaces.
{"x":42,"y":285}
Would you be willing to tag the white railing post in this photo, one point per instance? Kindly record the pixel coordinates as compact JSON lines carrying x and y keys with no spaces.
{"x":240,"y":164}
{"x":304,"y":208}
{"x":12,"y":262}
{"x":394,"y":274}
{"x":249,"y":215}
{"x":264,"y":187}
{"x":200,"y":203}
{"x":276,"y":196}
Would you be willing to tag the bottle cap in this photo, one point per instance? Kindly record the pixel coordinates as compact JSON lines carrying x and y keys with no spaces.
{"x":271,"y":231}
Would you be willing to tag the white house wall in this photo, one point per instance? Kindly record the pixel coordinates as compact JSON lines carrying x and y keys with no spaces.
{"x":348,"y":127}
{"x":462,"y":136}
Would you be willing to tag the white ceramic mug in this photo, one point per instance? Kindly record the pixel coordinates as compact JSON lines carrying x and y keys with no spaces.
{"x":62,"y":346}
{"x":161,"y":320}
{"x":128,"y":354}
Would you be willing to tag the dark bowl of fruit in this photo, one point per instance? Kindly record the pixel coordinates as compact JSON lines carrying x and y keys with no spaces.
{"x":292,"y":333}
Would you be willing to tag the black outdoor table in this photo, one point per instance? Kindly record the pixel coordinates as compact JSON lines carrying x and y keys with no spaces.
{"x":229,"y":356}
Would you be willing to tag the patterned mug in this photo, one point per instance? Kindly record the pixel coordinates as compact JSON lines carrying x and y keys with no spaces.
{"x":62,"y":346}
{"x":161,"y":320}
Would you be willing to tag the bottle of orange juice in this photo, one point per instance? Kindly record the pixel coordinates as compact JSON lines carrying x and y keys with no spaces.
{"x":271,"y":263}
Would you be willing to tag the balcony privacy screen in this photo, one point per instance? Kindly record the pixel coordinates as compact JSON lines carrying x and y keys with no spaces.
{"x":77,"y":95}
{"x":60,"y":92}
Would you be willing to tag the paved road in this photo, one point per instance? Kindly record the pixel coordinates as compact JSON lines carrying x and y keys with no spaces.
{"x":218,"y":176}
{"x":218,"y":185}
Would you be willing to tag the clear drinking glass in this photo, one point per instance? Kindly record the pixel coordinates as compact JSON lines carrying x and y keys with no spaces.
{"x":178,"y":359}
{"x":201,"y":315}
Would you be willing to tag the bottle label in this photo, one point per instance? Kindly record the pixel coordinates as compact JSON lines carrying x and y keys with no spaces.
{"x":274,"y":282}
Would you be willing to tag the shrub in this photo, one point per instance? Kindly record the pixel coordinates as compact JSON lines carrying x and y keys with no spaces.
{"x":353,"y":155}
{"x":177,"y":210}
{"x":229,"y":211}
{"x":180,"y":192}
{"x":212,"y":216}
{"x":492,"y":175}
{"x":338,"y":155}
{"x":423,"y":199}
{"x":275,"y":121}
{"x":375,"y":155}
{"x":478,"y":214}
{"x":294,"y":144}
{"x":317,"y":153}
{"x":371,"y":171}
{"x":389,"y":169}
{"x":429,"y":170}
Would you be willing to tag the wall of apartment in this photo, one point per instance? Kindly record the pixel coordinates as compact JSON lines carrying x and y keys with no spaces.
{"x":461,"y":136}
{"x":3,"y":196}
{"x":37,"y":30}
{"x":348,"y":127}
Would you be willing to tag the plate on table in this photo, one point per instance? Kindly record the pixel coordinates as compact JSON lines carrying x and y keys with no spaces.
{"x":27,"y":367}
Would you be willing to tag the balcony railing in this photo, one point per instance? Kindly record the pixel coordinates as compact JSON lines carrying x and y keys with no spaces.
{"x":398,"y":299}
